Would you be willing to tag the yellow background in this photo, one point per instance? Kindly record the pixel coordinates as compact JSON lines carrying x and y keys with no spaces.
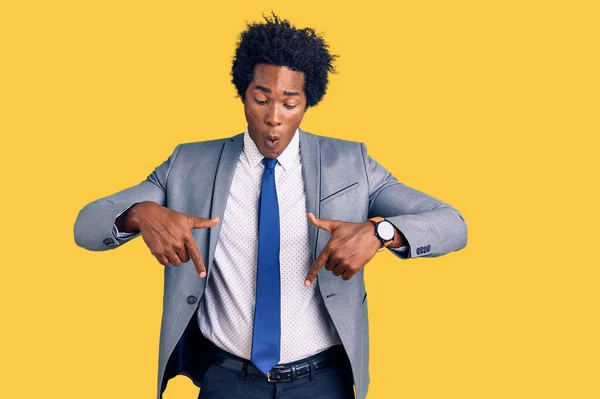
{"x":490,"y":106}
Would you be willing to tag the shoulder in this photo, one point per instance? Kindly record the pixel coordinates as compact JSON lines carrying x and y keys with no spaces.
{"x":334,"y":146}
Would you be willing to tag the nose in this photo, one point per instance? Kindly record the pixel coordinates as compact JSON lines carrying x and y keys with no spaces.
{"x":274,"y":115}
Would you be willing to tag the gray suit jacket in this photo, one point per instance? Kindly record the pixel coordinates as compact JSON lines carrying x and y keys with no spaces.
{"x":342,"y":182}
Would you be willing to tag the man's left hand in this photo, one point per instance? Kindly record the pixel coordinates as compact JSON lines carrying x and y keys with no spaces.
{"x":350,"y":248}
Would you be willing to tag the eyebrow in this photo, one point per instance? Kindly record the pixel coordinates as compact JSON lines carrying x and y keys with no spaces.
{"x":267,"y":90}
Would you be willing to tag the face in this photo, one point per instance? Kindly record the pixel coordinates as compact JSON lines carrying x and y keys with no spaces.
{"x":274,"y":104}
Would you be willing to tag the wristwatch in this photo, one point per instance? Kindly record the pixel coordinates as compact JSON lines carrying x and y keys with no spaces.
{"x":384,"y":230}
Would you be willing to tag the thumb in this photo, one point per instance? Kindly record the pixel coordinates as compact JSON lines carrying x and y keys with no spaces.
{"x":324,"y":224}
{"x":202,"y":223}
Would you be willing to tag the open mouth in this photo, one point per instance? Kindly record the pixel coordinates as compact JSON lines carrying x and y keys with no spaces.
{"x":272,"y":142}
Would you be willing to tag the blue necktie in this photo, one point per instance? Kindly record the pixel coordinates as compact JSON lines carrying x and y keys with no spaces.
{"x":266,"y":335}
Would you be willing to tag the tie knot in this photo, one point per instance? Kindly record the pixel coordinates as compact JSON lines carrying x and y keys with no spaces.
{"x":270,"y":163}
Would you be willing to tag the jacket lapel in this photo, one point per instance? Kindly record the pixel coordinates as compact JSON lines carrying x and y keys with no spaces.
{"x":310,"y":152}
{"x":311,"y":171}
{"x":225,"y":170}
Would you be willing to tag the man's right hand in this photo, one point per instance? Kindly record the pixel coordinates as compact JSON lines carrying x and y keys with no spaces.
{"x":166,"y":232}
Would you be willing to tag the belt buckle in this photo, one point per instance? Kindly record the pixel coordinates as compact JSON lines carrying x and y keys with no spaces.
{"x":276,"y":377}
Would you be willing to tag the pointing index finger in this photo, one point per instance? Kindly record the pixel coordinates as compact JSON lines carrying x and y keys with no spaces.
{"x":196,"y":257}
{"x":316,"y":267}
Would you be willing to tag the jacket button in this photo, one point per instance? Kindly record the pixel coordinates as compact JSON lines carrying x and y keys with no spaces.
{"x":191,"y":299}
{"x":428,"y":248}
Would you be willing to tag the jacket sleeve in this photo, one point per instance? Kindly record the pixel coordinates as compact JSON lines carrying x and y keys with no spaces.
{"x":431,"y":227}
{"x":93,"y":228}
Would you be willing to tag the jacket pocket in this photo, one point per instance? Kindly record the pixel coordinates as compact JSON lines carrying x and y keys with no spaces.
{"x":339,"y":193}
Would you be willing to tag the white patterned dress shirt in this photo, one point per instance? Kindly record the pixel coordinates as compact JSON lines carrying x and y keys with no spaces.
{"x":226,"y":313}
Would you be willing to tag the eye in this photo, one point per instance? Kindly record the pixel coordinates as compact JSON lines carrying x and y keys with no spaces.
{"x":260,"y":102}
{"x":289,"y":106}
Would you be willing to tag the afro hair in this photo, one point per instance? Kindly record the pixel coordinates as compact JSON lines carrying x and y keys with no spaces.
{"x":277,"y":42}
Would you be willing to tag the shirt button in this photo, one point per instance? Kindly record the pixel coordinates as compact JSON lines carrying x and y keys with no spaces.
{"x":191,"y":299}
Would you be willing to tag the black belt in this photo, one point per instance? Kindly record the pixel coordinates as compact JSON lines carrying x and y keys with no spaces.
{"x":283,"y":372}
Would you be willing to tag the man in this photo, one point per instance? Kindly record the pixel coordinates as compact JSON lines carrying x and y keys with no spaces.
{"x":265,"y":235}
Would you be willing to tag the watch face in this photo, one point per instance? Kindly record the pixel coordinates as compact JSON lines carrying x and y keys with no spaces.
{"x":385,"y":230}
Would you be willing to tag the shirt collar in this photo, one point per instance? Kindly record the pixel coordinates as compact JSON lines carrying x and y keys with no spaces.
{"x":285,"y":159}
